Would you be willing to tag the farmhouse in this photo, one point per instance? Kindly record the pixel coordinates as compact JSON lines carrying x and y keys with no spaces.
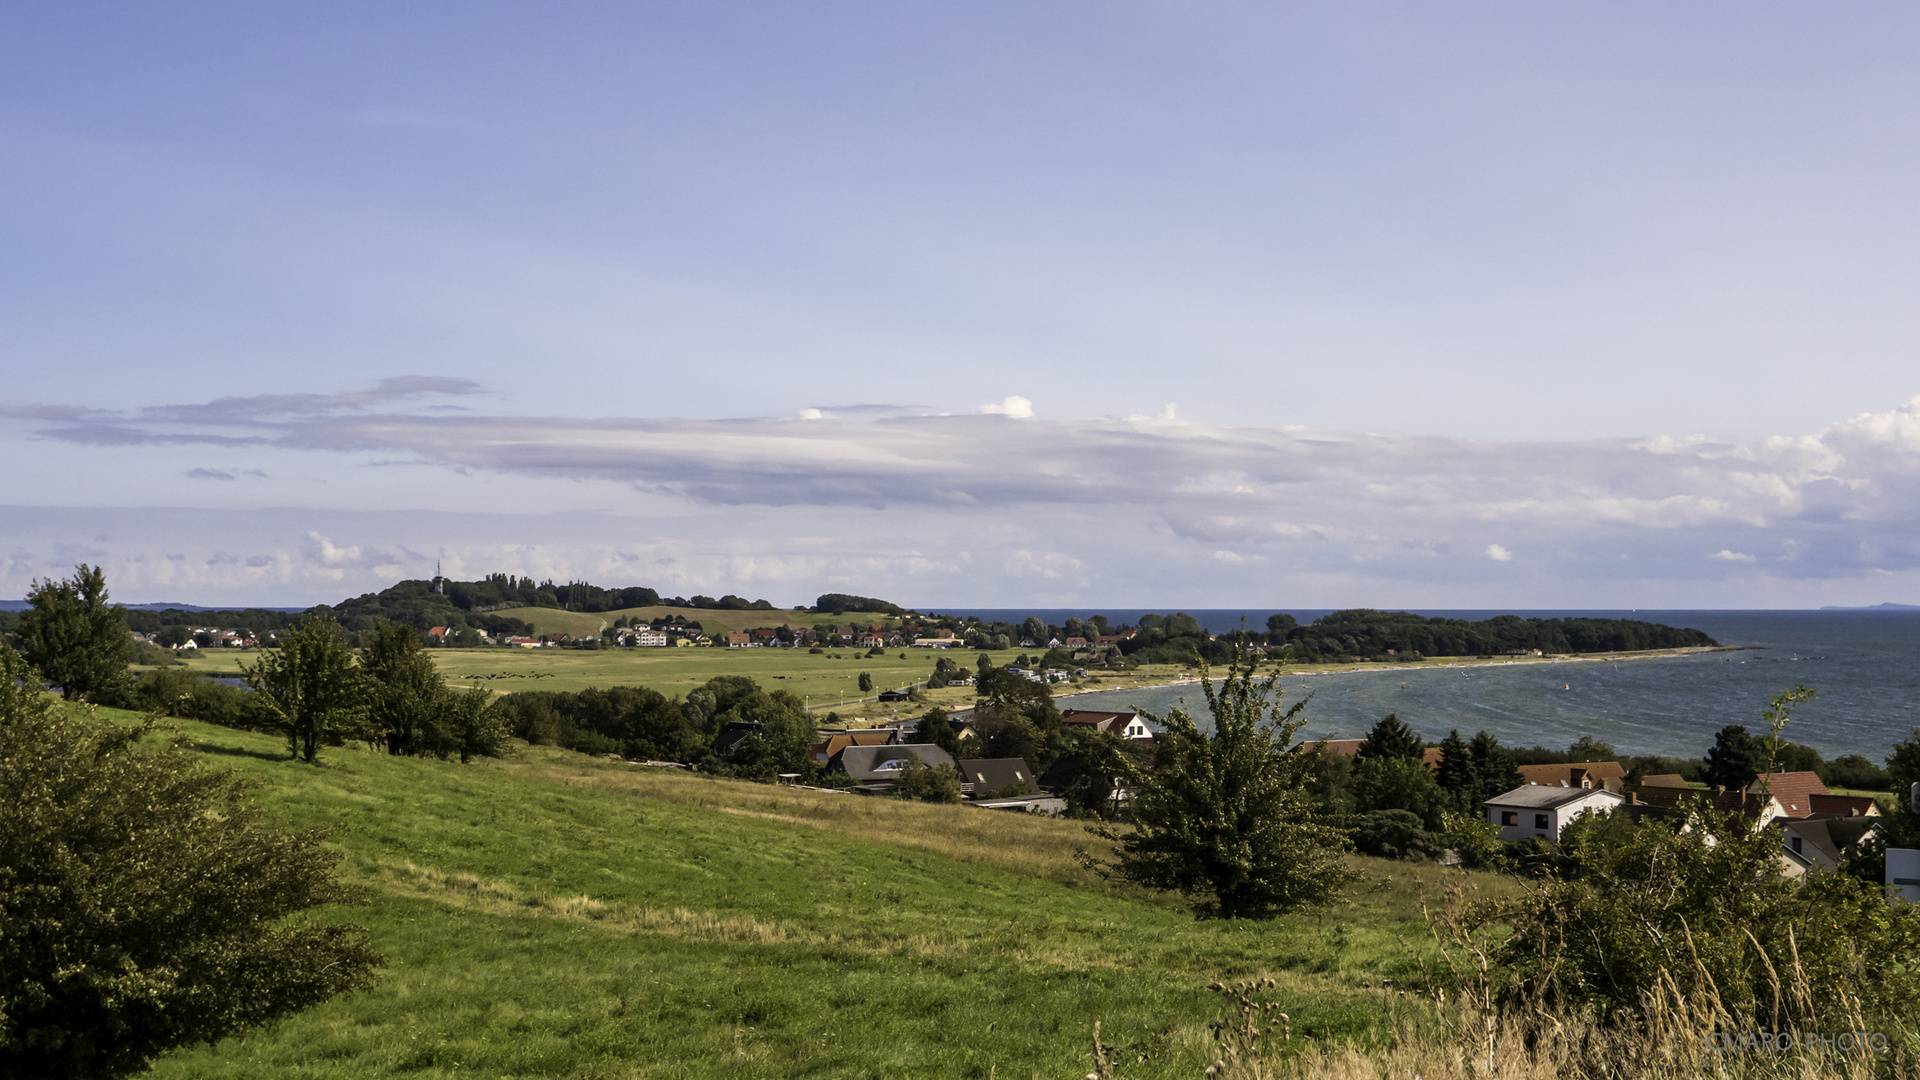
{"x":1125,"y":724}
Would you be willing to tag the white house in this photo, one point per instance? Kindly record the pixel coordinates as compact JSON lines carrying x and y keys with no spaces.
{"x":652,"y":639}
{"x":1542,"y":811}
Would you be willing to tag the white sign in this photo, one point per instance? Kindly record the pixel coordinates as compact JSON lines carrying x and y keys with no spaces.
{"x":1903,"y":870}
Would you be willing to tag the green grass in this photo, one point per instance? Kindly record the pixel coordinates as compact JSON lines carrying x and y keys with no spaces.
{"x":552,"y":915}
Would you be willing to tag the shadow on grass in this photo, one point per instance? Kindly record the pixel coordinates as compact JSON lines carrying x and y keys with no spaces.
{"x":239,"y":751}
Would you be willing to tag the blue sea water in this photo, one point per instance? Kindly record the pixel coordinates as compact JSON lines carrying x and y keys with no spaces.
{"x":1864,"y":666}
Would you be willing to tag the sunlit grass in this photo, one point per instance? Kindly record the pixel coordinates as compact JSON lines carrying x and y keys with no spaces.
{"x":553,"y":915}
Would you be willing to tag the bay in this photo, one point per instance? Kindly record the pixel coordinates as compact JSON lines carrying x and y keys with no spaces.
{"x":1864,"y":666}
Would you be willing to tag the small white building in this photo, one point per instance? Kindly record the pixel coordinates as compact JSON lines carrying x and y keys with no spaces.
{"x":1538,"y":810}
{"x":651,"y":639}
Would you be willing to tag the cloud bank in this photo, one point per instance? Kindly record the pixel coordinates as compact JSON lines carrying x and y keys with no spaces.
{"x":1083,"y":504}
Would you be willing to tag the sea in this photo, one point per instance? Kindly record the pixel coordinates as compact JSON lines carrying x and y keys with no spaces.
{"x":1863,"y":665}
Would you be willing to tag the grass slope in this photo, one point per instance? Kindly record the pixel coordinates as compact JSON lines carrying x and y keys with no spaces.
{"x":552,"y":915}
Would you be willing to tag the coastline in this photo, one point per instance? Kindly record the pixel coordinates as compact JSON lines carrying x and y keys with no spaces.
{"x":1451,"y":662}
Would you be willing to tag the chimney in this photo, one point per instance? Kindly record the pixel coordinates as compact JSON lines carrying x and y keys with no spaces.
{"x":1633,"y":798}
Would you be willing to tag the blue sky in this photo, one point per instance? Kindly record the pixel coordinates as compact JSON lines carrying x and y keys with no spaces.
{"x":1483,"y":305}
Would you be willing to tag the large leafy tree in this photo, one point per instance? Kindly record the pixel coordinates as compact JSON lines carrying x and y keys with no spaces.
{"x":405,"y":691}
{"x":76,"y":639}
{"x":1227,"y":817}
{"x":144,"y":900}
{"x":311,"y":686}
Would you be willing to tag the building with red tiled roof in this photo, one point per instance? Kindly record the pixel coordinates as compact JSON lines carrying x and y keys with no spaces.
{"x":1127,"y":724}
{"x":1844,"y":805}
{"x":1794,"y":790}
{"x":1595,"y":774}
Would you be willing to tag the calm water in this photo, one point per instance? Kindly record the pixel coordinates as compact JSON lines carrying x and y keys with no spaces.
{"x":1865,"y":666}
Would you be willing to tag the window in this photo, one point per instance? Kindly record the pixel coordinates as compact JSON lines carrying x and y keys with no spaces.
{"x":1509,"y":817}
{"x":1540,"y":821}
{"x":1796,"y":845}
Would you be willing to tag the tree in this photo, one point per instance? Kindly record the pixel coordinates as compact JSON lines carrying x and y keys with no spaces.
{"x":934,"y":784}
{"x":1391,"y":738}
{"x":311,"y":686}
{"x":469,"y":725}
{"x":1498,"y":773}
{"x":1399,"y":783}
{"x":73,"y":636}
{"x":1034,"y":630}
{"x":404,"y":690}
{"x":934,"y":730}
{"x":1226,"y":817}
{"x":1588,"y":748}
{"x":866,"y":682}
{"x":1735,"y":758}
{"x":1457,"y":774}
{"x":144,"y":900}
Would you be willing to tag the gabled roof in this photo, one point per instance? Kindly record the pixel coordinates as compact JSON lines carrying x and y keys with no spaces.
{"x":1596,"y":773}
{"x":1099,"y":721}
{"x":1542,"y":797}
{"x":731,"y":736}
{"x":1645,"y":801}
{"x":1831,"y":837}
{"x":1794,"y":790}
{"x":1844,"y":805}
{"x":992,"y":774}
{"x":823,"y":751}
{"x":1667,"y":779}
{"x":881,"y":762}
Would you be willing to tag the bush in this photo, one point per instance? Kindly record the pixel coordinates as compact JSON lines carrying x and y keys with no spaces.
{"x":1394,"y":834}
{"x":144,"y":900}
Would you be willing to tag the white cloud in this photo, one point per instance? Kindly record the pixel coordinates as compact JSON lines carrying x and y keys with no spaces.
{"x":1013,"y":407}
{"x":1130,"y":499}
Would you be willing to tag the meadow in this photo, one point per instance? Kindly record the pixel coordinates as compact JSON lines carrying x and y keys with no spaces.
{"x":828,"y":680}
{"x":549,"y":914}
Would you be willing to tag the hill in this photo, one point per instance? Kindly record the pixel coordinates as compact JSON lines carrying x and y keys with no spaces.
{"x":552,"y":620}
{"x":555,"y":915}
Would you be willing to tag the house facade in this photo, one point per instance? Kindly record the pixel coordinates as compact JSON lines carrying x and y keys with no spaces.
{"x":1537,"y":811}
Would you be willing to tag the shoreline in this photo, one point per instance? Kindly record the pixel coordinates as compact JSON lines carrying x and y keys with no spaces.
{"x":1452,"y":662}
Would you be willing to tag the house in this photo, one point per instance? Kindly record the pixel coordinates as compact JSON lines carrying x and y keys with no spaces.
{"x":524,"y":642}
{"x":737,"y":639}
{"x":879,"y":767}
{"x":871,"y":641}
{"x":1845,"y":805}
{"x":989,"y":775}
{"x":1669,"y":779}
{"x":1075,"y":643}
{"x":1794,"y":790}
{"x":824,"y":751}
{"x":947,"y":642}
{"x":1820,"y":842}
{"x":651,"y":639}
{"x":1102,"y":641}
{"x":895,"y":695}
{"x":1647,"y":801}
{"x":1590,"y":774}
{"x":1125,"y":724}
{"x":437,"y":635}
{"x":727,"y":743}
{"x":1541,"y":810}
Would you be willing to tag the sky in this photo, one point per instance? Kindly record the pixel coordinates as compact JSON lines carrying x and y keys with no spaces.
{"x":1117,"y":304}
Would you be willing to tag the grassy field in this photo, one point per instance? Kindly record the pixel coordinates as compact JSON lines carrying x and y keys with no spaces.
{"x":553,"y":915}
{"x":825,"y":680}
